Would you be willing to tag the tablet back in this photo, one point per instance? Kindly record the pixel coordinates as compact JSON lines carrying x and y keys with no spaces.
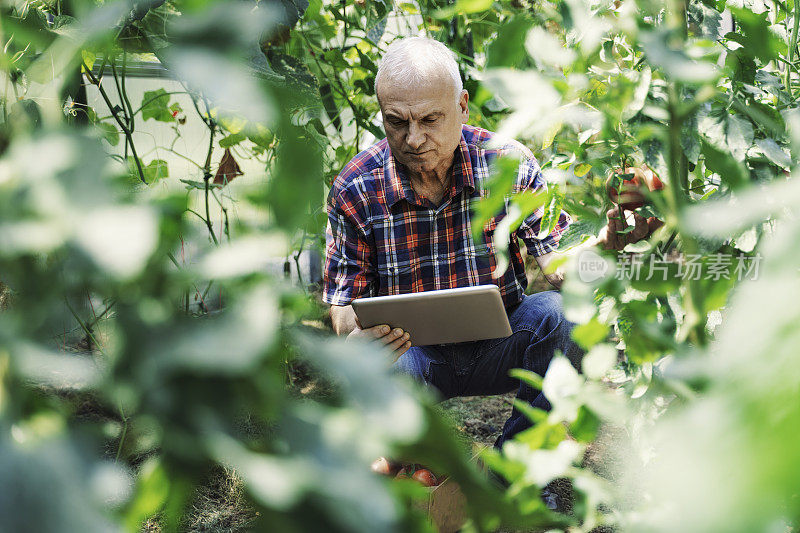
{"x":439,"y":317}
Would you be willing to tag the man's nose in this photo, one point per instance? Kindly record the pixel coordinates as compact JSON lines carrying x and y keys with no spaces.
{"x":415,"y":137}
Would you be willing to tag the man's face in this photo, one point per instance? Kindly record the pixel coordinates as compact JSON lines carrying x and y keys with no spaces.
{"x":423,"y":123}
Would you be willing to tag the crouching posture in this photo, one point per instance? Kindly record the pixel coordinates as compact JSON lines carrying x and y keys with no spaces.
{"x":399,"y":221}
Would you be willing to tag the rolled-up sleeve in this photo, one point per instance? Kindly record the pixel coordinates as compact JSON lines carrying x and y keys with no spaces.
{"x":349,"y":273}
{"x":530,"y":179}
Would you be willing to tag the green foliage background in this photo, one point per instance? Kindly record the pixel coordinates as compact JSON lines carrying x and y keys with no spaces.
{"x":120,"y":421}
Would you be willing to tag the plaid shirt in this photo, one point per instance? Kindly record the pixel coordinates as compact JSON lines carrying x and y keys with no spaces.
{"x":383,"y":238}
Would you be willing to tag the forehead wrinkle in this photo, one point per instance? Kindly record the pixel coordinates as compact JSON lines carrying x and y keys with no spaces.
{"x":438,"y":83}
{"x":409,"y":110}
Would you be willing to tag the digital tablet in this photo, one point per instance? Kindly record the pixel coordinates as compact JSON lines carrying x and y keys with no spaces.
{"x":439,"y":317}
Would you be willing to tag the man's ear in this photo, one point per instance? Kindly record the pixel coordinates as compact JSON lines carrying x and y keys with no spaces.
{"x":463,"y":103}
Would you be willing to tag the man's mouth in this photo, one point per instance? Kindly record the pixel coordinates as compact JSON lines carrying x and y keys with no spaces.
{"x":418,"y":153}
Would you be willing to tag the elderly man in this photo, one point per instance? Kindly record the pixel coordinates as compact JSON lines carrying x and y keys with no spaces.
{"x":399,"y":222}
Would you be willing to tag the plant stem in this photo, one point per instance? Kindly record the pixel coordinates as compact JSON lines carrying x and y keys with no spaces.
{"x":212,"y":127}
{"x":123,"y":434}
{"x":101,"y":315}
{"x":677,"y":200}
{"x":125,"y":98}
{"x":125,"y":113}
{"x":792,"y":46}
{"x":120,"y":123}
{"x":86,"y":329}
{"x":297,"y":259}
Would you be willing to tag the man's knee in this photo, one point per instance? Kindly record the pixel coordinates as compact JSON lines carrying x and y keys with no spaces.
{"x":553,"y":309}
{"x":545,"y":313}
{"x":542,"y":312}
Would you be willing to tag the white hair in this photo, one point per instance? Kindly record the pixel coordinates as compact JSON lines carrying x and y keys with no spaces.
{"x":413,"y":60}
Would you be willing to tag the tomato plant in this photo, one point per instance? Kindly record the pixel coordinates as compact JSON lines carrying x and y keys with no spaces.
{"x":146,"y":341}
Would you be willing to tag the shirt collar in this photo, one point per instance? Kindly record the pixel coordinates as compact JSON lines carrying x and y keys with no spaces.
{"x":398,"y":187}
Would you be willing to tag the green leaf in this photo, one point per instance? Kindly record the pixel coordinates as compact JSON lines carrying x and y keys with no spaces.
{"x":657,"y":276}
{"x":741,"y":65}
{"x":89,"y":58}
{"x":766,"y":117}
{"x":231,"y":122}
{"x":707,"y":18}
{"x":534,"y":414}
{"x":639,"y":95}
{"x":155,"y":105}
{"x":231,"y":140}
{"x":157,"y":169}
{"x":582,"y":169}
{"x":492,"y":201}
{"x":774,"y":153}
{"x":690,"y":140}
{"x":462,"y":6}
{"x":542,"y":436}
{"x":646,"y":338}
{"x":674,"y":62}
{"x":586,"y":425}
{"x":589,"y":334}
{"x":729,"y":133}
{"x":552,"y":212}
{"x":580,"y":230}
{"x":261,"y":136}
{"x":152,"y":490}
{"x":755,"y":34}
{"x":109,"y":132}
{"x":723,"y":218}
{"x":739,"y":136}
{"x":409,"y":8}
{"x":729,"y":169}
{"x":531,"y":378}
{"x":505,"y":50}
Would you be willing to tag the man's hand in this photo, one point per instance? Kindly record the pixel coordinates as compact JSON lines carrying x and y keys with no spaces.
{"x":552,"y":273}
{"x":396,"y":340}
{"x":345,"y":322}
{"x":610,"y":237}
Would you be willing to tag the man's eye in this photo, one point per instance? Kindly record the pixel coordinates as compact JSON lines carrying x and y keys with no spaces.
{"x":396,"y":122}
{"x":429,"y":120}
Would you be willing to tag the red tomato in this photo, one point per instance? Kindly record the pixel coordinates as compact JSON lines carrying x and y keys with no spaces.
{"x":407,"y":471}
{"x":385,"y":467}
{"x":426,"y":477}
{"x":631,"y":193}
{"x":652,"y":180}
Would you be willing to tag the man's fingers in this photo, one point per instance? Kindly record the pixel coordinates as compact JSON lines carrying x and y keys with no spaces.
{"x":395,"y":340}
{"x":379,"y":331}
{"x":640,"y":230}
{"x":653,"y":224}
{"x":373,"y":333}
{"x":391,"y":336}
{"x":401,"y":350}
{"x":398,"y":342}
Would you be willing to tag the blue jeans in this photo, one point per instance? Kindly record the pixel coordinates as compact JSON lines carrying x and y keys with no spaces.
{"x":481,"y":368}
